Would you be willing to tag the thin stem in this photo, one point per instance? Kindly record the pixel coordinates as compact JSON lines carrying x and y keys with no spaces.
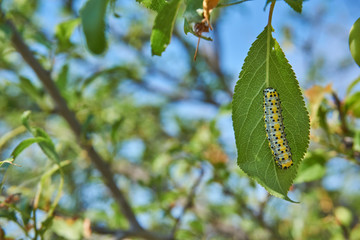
{"x":188,"y":203}
{"x":268,"y":41}
{"x":342,"y":115}
{"x":271,"y":12}
{"x":220,"y":5}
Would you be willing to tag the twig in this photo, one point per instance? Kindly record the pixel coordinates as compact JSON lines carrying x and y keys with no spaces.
{"x":220,"y":5}
{"x":189,"y":202}
{"x":125,"y":234}
{"x":69,"y":116}
{"x":258,"y":218}
{"x":342,"y":116}
{"x":271,"y":13}
{"x":213,"y":65}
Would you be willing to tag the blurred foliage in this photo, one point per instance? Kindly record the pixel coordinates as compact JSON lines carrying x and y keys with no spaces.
{"x":159,"y":123}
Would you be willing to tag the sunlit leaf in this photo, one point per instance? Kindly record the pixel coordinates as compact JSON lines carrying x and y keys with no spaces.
{"x":68,"y":228}
{"x":266,"y":66}
{"x":155,"y":5}
{"x":343,"y":215}
{"x":63,"y":32}
{"x":163,"y":27}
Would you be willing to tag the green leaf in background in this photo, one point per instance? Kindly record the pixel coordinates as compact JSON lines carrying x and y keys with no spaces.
{"x":25,"y":144}
{"x":163,"y":27}
{"x":63,"y":32}
{"x":354,"y":41}
{"x":343,"y":215}
{"x":67,"y":228}
{"x":25,"y":119}
{"x":93,"y":23}
{"x":266,"y":66}
{"x":155,"y":5}
{"x":47,"y":146}
{"x":352,"y":104}
{"x":356,"y":146}
{"x":27,"y":86}
{"x":352,"y":85}
{"x":313,"y":167}
{"x":62,"y":81}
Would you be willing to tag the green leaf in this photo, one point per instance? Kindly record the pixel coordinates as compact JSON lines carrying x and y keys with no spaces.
{"x":10,"y":215}
{"x":352,"y":85}
{"x":25,"y":208}
{"x":93,"y":22}
{"x":122,"y":71}
{"x":48,"y":146}
{"x":266,"y":66}
{"x":155,"y":5}
{"x":62,"y":79}
{"x":192,"y":15}
{"x":354,"y":41}
{"x":193,"y":11}
{"x":163,"y":27}
{"x":356,"y":146}
{"x":313,"y":167}
{"x":27,"y":86}
{"x":189,"y":29}
{"x":63,"y":32}
{"x":25,"y":144}
{"x":25,"y":119}
{"x":343,"y":215}
{"x":295,"y":4}
{"x":68,"y":229}
{"x":352,"y":104}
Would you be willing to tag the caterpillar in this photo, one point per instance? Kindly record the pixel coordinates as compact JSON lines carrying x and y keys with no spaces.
{"x":275,"y":129}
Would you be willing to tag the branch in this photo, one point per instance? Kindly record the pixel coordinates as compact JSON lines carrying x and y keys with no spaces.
{"x":126,"y":234}
{"x":257,"y":218}
{"x":189,"y":202}
{"x":69,"y":116}
{"x":342,"y":115}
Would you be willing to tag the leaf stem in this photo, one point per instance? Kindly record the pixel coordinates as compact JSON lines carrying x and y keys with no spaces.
{"x":268,"y":40}
{"x":271,"y":12}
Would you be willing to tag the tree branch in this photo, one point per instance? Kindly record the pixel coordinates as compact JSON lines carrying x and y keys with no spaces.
{"x":69,"y":116}
{"x":342,"y":115}
{"x":125,"y":234}
{"x":189,"y":202}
